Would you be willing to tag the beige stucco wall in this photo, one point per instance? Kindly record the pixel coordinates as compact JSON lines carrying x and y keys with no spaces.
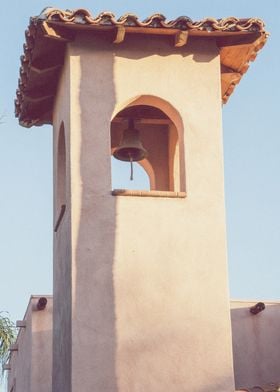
{"x":62,"y":289}
{"x":256,"y":342}
{"x":150,"y":308}
{"x":21,"y":360}
{"x":31,"y":364}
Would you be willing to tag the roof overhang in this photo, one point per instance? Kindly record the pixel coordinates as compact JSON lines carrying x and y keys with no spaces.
{"x":239,"y":41}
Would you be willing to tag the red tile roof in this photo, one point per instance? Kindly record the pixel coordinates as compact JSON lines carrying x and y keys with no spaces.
{"x":47,"y":35}
{"x":82,"y":16}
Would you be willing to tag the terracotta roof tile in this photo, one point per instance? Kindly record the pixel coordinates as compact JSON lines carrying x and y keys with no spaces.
{"x":82,"y":16}
{"x":239,"y":41}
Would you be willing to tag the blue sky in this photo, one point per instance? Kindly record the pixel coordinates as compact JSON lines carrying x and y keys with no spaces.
{"x":251,"y":148}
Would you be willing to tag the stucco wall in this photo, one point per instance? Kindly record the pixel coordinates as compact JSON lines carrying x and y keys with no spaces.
{"x":31,"y":364}
{"x":149,"y":276}
{"x":62,"y":289}
{"x":256,"y":342}
{"x":21,"y":360}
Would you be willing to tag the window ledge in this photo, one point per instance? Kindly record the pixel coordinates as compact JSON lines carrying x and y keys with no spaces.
{"x":127,"y":192}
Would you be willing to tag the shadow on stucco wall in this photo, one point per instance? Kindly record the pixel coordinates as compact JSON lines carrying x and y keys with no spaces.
{"x":93,"y":326}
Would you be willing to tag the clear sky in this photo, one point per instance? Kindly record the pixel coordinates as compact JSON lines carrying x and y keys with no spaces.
{"x":251,"y":149}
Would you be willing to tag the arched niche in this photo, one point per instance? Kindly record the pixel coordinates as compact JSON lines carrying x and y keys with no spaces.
{"x":161,"y":132}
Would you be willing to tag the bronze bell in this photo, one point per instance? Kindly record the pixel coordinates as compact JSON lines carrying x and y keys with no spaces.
{"x":130,"y":149}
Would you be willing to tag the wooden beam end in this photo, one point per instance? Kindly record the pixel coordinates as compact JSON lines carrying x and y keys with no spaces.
{"x":120,"y":34}
{"x":181,"y":38}
{"x":56,"y":33}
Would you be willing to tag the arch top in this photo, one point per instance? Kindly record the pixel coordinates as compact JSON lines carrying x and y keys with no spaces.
{"x":154,"y":101}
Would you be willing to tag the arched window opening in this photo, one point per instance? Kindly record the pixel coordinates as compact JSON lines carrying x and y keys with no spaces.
{"x":146,"y":132}
{"x":60,"y":177}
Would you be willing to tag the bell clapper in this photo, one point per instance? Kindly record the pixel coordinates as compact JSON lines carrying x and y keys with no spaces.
{"x":131,"y":167}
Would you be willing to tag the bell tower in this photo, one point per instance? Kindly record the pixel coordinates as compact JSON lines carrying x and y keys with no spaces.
{"x":140,"y":277}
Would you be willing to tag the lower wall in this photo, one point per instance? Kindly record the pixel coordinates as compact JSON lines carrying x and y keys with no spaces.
{"x":31,"y":362}
{"x":256,"y":343}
